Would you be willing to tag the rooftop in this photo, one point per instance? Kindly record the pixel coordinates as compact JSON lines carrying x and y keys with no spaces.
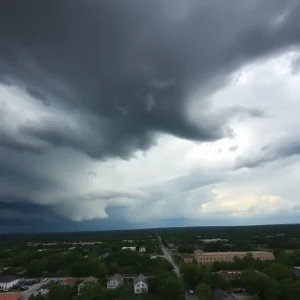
{"x":117,"y":277}
{"x":68,"y":281}
{"x":141,"y":277}
{"x":90,"y":279}
{"x":187,"y":255}
{"x":231,"y":253}
{"x":7,"y":278}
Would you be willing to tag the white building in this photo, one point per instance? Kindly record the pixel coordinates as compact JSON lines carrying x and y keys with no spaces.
{"x":142,"y":249}
{"x":114,"y":281}
{"x":7,"y":282}
{"x":129,"y":248}
{"x":140,"y":284}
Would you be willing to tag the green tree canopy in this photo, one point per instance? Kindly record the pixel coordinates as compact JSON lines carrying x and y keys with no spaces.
{"x":203,"y":291}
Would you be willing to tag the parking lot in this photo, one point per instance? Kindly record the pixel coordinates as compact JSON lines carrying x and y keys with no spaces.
{"x":32,"y":286}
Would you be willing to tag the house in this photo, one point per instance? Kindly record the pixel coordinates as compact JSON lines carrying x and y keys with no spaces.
{"x":85,"y":282}
{"x":129,"y":248}
{"x":142,"y":249}
{"x":140,"y":284}
{"x":44,"y":290}
{"x":68,"y":281}
{"x":114,"y":281}
{"x":7,"y":281}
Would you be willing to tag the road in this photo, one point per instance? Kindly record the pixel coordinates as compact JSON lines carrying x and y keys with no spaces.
{"x":168,"y":256}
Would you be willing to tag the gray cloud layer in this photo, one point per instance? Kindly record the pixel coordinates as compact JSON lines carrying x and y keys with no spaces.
{"x":118,"y":62}
{"x":107,"y":77}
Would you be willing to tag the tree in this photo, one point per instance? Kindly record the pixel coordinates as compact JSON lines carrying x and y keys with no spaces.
{"x":58,"y":292}
{"x":278,"y":271}
{"x":203,"y":291}
{"x":295,"y":290}
{"x":113,"y":268}
{"x":272,"y":290}
{"x":255,"y":297}
{"x":190,"y":273}
{"x":170,"y":289}
{"x":36,"y":267}
{"x":253,"y":282}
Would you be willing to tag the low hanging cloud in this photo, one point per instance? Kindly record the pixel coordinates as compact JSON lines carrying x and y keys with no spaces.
{"x":88,"y":85}
{"x":284,"y":147}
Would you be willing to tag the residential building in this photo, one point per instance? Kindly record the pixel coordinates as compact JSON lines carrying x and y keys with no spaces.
{"x":140,"y":284}
{"x":85,"y":282}
{"x":212,"y":257}
{"x":114,"y":281}
{"x":187,"y":258}
{"x":129,"y":248}
{"x":296,"y":271}
{"x":8,"y":281}
{"x":142,"y":249}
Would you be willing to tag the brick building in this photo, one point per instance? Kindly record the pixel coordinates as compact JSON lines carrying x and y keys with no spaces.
{"x":205,"y":258}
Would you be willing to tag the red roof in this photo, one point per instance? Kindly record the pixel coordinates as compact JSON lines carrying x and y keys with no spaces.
{"x":68,"y":281}
{"x":10,"y":297}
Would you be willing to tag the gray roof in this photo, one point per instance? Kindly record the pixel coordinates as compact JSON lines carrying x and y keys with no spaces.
{"x":218,"y":294}
{"x":141,"y":277}
{"x":116,"y":277}
{"x":8,"y":278}
{"x":90,"y":279}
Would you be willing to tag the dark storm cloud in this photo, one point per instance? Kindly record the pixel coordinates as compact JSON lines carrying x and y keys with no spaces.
{"x":129,"y":65}
{"x":104,"y":77}
{"x":19,"y":216}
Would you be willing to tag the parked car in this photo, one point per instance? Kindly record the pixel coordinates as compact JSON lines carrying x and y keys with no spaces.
{"x":45,"y":279}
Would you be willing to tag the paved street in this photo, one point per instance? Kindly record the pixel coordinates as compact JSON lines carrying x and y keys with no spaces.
{"x":168,"y":256}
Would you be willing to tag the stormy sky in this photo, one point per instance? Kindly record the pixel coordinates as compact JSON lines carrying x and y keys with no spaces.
{"x":135,"y":114}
